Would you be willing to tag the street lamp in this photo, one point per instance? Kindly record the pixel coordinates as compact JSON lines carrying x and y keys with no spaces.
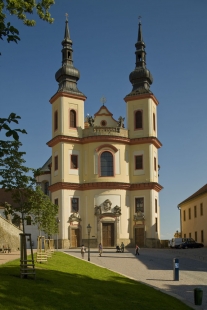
{"x":57,"y":221}
{"x":89,"y":231}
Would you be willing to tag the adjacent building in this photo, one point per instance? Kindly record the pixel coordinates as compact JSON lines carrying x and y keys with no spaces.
{"x":193,"y":216}
{"x":102,"y":171}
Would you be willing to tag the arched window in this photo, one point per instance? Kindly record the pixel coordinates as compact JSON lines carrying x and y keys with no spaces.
{"x":106,"y":164}
{"x":138,"y":120}
{"x":73,"y":118}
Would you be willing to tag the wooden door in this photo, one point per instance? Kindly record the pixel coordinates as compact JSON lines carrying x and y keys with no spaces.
{"x":75,"y":240}
{"x":108,"y":234}
{"x":139,"y":236}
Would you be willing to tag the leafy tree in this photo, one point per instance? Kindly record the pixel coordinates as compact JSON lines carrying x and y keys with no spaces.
{"x":28,"y":199}
{"x":21,"y":8}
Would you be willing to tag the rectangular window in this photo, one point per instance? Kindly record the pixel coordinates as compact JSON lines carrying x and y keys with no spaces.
{"x":56,"y":201}
{"x":56,"y":120}
{"x":189,"y":213}
{"x":155,"y":164}
{"x":155,"y":205}
{"x":156,"y":224}
{"x":46,"y":188}
{"x":74,"y":161}
{"x":154,"y":126}
{"x":184,"y":215}
{"x":189,"y":235}
{"x":195,"y":211}
{"x":139,"y":204}
{"x":202,"y":236}
{"x":195,"y":235}
{"x":56,"y":163}
{"x":74,"y":205}
{"x":184,"y":235}
{"x":138,"y":162}
{"x":201,"y":209}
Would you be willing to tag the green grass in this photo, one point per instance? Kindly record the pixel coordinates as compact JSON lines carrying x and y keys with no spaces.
{"x":66,"y":282}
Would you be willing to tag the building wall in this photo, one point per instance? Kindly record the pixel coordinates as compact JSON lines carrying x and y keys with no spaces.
{"x":196,"y":224}
{"x":9,"y":235}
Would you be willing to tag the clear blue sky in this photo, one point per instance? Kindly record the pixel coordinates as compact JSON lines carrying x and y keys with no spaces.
{"x":104,"y":33}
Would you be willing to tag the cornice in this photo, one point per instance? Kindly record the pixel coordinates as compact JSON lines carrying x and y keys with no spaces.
{"x":105,"y":185}
{"x":64,"y":94}
{"x":143,"y":96}
{"x":93,"y":139}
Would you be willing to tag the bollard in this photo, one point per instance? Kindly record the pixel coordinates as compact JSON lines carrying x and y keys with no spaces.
{"x":198,"y":295}
{"x":176,"y":269}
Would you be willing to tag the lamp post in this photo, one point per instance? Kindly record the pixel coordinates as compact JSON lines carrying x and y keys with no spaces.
{"x":57,"y":221}
{"x":89,"y":231}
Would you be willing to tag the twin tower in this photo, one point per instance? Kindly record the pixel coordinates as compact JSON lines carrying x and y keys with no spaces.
{"x":103,"y":172}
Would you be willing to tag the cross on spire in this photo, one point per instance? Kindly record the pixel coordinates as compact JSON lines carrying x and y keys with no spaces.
{"x":140,"y":18}
{"x":66,"y":16}
{"x":103,"y":100}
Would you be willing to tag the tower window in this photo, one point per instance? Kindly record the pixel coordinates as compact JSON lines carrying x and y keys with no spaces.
{"x":46,"y":188}
{"x":139,"y":204}
{"x":69,"y":55}
{"x":155,"y":205}
{"x":56,"y":163}
{"x":72,"y":118}
{"x":154,"y":125}
{"x":29,"y":220}
{"x":155,"y":164}
{"x":138,"y":120}
{"x":138,"y":162}
{"x":106,"y":164}
{"x":56,"y":201}
{"x":56,"y":120}
{"x":74,"y":161}
{"x":156,"y":224}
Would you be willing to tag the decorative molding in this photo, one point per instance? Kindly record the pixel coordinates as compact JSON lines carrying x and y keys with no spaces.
{"x":104,"y":185}
{"x":90,"y":139}
{"x":108,"y":146}
{"x":64,"y":94}
{"x":143,"y":96}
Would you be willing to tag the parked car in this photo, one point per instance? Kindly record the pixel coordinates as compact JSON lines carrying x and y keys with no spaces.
{"x":176,"y":242}
{"x":190,"y":244}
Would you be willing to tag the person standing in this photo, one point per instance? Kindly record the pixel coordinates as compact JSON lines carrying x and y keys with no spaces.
{"x":100,"y":249}
{"x":122,"y":247}
{"x":136,"y":250}
{"x":83,"y":249}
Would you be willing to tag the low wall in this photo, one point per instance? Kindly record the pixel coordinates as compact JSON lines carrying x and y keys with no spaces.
{"x":9,"y":235}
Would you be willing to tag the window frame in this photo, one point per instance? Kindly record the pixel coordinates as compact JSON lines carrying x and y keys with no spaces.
{"x":155,"y":205}
{"x":71,"y":125}
{"x":195,"y":211}
{"x":56,"y":201}
{"x":136,"y":121}
{"x":202,"y":236}
{"x":189,"y":213}
{"x":184,"y":218}
{"x":201,"y":209}
{"x":155,"y":164}
{"x":135,"y":162}
{"x":137,"y":208}
{"x":154,"y":122}
{"x":100,"y":164}
{"x":56,"y":120}
{"x":71,"y":161}
{"x":196,"y":236}
{"x":56,"y":163}
{"x":74,"y":210}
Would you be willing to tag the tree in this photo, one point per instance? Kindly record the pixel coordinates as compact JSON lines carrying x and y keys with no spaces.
{"x":21,"y":8}
{"x":28,"y":199}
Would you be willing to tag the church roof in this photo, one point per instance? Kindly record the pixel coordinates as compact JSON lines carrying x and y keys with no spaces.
{"x":45,"y":167}
{"x":201,"y":191}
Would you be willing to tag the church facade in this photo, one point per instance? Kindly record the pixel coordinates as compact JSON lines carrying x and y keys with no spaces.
{"x":100,"y":172}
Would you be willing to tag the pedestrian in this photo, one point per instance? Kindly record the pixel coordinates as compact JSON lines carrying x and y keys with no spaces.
{"x":100,"y":249}
{"x":136,"y":250}
{"x":83,"y":249}
{"x":122,"y":247}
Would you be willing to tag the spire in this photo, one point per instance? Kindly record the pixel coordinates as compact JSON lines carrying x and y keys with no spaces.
{"x":141,"y":77}
{"x":67,"y":76}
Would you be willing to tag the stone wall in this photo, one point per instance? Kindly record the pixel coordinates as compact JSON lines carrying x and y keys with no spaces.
{"x":9,"y":235}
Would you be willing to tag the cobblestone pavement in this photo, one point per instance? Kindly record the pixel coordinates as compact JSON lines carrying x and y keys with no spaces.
{"x":155,"y":267}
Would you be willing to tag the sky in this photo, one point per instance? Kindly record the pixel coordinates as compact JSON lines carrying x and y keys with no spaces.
{"x":104,"y":33}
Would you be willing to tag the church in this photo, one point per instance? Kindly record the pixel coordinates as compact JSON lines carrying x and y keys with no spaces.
{"x":103,"y":172}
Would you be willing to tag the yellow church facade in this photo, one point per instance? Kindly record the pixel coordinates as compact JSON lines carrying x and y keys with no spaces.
{"x":103,"y":173}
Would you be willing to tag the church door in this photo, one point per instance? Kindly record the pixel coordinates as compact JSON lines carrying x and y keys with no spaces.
{"x":139,"y":236}
{"x":108,"y":234}
{"x":75,"y":240}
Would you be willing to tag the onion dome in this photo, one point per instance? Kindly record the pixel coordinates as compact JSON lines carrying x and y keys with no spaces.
{"x":141,"y":78}
{"x":67,"y":76}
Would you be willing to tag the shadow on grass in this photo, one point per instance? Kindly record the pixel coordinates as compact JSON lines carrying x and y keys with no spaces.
{"x":67,"y":283}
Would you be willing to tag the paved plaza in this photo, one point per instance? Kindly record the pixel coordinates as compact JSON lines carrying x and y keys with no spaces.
{"x":155,"y":267}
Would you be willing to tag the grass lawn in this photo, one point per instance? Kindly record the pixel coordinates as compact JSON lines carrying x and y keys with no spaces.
{"x":66,"y":282}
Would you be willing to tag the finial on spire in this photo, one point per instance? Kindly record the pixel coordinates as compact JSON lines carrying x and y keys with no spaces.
{"x":66,"y":16}
{"x":103,"y":100}
{"x":140,"y":19}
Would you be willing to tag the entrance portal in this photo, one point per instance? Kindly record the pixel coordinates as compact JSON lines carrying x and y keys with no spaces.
{"x":139,"y":236}
{"x":75,"y":240}
{"x":108,"y":234}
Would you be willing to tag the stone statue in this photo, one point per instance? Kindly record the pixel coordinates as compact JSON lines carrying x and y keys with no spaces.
{"x":74,"y":217}
{"x":120,"y":122}
{"x":117,"y":210}
{"x":107,"y":205}
{"x":90,"y":120}
{"x":97,"y":210}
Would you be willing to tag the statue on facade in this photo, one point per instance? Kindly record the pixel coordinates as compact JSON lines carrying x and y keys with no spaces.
{"x":107,"y":205}
{"x":120,"y":122}
{"x":97,"y":210}
{"x":117,"y":210}
{"x":90,"y":120}
{"x":75,"y":217}
{"x":139,"y":216}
